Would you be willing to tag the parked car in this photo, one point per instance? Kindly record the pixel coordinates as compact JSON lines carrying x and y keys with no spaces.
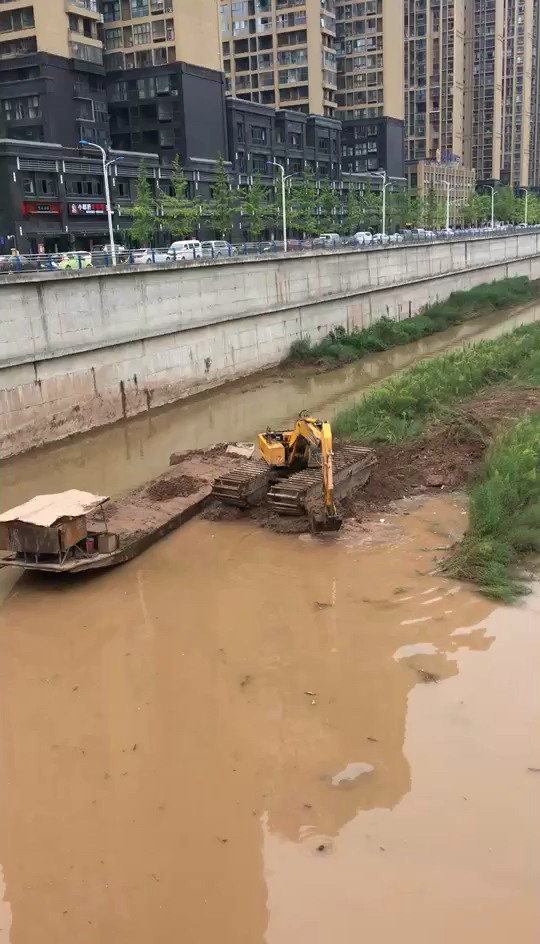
{"x":379,"y":238}
{"x":145,"y":256}
{"x":184,"y":249}
{"x":327,"y":240}
{"x":217,"y":248}
{"x":75,"y":260}
{"x":17,"y":263}
{"x":363,"y":239}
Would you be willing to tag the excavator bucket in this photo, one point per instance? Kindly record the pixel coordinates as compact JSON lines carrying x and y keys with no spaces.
{"x":324,"y":523}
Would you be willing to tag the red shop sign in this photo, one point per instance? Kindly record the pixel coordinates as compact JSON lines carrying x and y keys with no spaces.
{"x":39,"y":206}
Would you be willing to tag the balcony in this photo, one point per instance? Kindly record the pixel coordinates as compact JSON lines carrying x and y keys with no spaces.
{"x":85,"y":52}
{"x":90,"y":8}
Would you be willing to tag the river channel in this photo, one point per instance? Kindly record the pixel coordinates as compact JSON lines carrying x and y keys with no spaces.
{"x":247,"y":737}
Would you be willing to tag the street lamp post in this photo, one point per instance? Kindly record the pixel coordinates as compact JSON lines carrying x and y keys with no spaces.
{"x":492,"y":205}
{"x":526,"y":192}
{"x":284,"y":177}
{"x":106,"y":165}
{"x":382,"y":175}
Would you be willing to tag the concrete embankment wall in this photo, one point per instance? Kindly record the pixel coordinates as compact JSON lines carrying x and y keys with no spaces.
{"x":82,"y":349}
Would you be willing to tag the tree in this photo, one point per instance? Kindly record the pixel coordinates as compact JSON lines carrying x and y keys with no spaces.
{"x":415,"y":212}
{"x":352,"y":211}
{"x":371,"y":207}
{"x":506,"y":208}
{"x":398,"y":208}
{"x":143,"y":210}
{"x":180,"y":213}
{"x":223,"y":203}
{"x":328,"y":206}
{"x":303,"y":204}
{"x":431,"y":209}
{"x":257,"y":208}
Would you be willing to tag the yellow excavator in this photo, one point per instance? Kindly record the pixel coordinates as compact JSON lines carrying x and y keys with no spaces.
{"x":292,"y":466}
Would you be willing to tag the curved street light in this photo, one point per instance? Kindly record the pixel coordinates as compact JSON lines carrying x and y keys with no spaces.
{"x":106,"y":165}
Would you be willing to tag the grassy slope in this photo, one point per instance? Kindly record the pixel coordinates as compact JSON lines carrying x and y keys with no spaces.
{"x":401,"y":406}
{"x":504,"y":506}
{"x":504,"y":514}
{"x":342,"y":346}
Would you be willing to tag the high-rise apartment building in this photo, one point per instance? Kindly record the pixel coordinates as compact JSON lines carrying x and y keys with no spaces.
{"x":281,"y":53}
{"x":143,"y":33}
{"x":502,"y":90}
{"x":51,"y":71}
{"x":369,"y":48}
{"x":434,"y":36}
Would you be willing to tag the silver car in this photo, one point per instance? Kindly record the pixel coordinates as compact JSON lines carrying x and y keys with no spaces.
{"x":216,"y":248}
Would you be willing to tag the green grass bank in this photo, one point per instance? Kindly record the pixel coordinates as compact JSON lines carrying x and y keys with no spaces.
{"x":504,"y":514}
{"x":342,"y":346}
{"x":403,"y":405}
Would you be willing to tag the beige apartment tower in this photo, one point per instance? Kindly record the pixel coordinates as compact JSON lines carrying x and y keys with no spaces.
{"x":281,"y":53}
{"x":369,"y":48}
{"x":67,"y":28}
{"x":502,"y":90}
{"x":143,"y":33}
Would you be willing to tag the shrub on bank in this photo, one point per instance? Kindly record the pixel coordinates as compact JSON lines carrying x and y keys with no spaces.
{"x":504,"y":514}
{"x":341,"y":345}
{"x":402,"y":405}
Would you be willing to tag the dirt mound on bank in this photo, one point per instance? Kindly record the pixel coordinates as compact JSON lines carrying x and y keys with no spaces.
{"x":173,"y":488}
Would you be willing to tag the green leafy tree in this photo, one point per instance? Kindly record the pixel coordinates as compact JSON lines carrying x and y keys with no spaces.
{"x":353,"y":211}
{"x":431,"y":209}
{"x":143,"y":210}
{"x":397,"y":210}
{"x":506,"y":206}
{"x":328,"y":206}
{"x":415,"y":212}
{"x":302,"y":212}
{"x":223,"y":203}
{"x":371,"y":207}
{"x":257,"y":208}
{"x":533,"y":210}
{"x":180,"y":213}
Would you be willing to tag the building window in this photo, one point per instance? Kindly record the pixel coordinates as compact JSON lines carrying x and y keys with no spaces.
{"x":118,"y":92}
{"x":86,"y":53}
{"x":239,"y":131}
{"x":28,"y":186}
{"x":18,"y":47}
{"x":111,"y":10}
{"x":258,"y":135}
{"x":166,"y":137}
{"x":259,"y":163}
{"x":85,"y":109}
{"x":17,"y":109}
{"x":142,"y":34}
{"x":101,"y":111}
{"x":163,"y":84}
{"x":113,"y":38}
{"x":123,"y":188}
{"x":139,"y":8}
{"x":17,"y":20}
{"x":295,"y":139}
{"x":146,"y":87}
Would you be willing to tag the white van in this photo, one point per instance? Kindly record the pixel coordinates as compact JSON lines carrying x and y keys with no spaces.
{"x":185,"y":249}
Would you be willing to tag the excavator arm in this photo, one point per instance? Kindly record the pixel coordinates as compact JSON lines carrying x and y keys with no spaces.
{"x":308,"y":432}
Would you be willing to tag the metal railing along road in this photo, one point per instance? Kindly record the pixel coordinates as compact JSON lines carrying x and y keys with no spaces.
{"x":101,"y":258}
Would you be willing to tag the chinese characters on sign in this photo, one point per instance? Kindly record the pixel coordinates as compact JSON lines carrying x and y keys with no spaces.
{"x":87,"y":209}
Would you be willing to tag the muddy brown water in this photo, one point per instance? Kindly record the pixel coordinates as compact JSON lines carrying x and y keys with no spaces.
{"x":247,"y":737}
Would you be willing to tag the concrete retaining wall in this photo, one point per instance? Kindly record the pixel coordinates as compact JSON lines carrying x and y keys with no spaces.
{"x":79,"y":350}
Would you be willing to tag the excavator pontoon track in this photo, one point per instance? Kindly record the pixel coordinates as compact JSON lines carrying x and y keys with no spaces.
{"x":244,"y":486}
{"x":296,"y":494}
{"x":250,"y":483}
